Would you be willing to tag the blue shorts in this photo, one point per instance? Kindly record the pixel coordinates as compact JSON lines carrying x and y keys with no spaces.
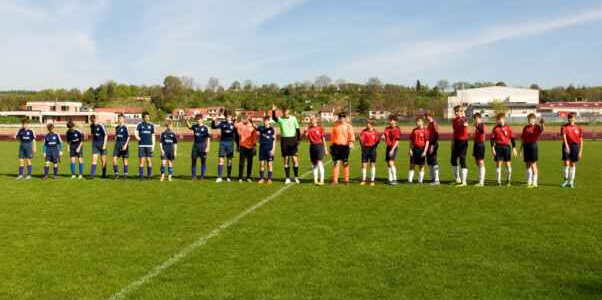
{"x":198,"y":151}
{"x":97,"y":149}
{"x":119,"y":152}
{"x":226,"y":149}
{"x":26,"y":150}
{"x":573,"y":154}
{"x":503,"y":153}
{"x":144,"y":152}
{"x":169,"y":154}
{"x":52,"y":155}
{"x":265,"y":152}
{"x":416,"y":158}
{"x":390,"y":157}
{"x":73,"y":148}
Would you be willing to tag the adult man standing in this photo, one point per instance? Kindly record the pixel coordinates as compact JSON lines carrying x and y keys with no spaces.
{"x":290,"y":135}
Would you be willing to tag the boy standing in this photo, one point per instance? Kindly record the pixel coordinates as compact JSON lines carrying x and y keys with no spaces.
{"x":122,"y":144}
{"x":317,"y":149}
{"x":200,"y":146}
{"x":145,"y":134}
{"x":169,"y":150}
{"x":478,"y":149}
{"x":503,"y":147}
{"x":99,"y":146}
{"x":342,"y":139}
{"x":431,"y":155}
{"x":75,"y":140}
{"x":572,"y":149}
{"x":529,"y":149}
{"x":53,"y":150}
{"x":392,"y":135}
{"x":267,"y":144}
{"x":369,"y":139}
{"x":459,"y":146}
{"x":419,"y":144}
{"x":226,"y":145}
{"x":27,"y":148}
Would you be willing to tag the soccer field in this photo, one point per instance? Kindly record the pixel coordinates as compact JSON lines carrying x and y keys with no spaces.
{"x":103,"y":239}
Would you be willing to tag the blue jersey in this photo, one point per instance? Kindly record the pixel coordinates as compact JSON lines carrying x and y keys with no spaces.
{"x":98,"y":133}
{"x":74,"y":137}
{"x":52,"y":141}
{"x":168,"y":139}
{"x":267,"y":134}
{"x":121,"y":133}
{"x":25,"y":135}
{"x":201,"y":133}
{"x":145,"y":132}
{"x":227,"y":130}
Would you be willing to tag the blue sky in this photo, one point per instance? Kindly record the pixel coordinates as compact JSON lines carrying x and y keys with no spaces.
{"x":52,"y":43}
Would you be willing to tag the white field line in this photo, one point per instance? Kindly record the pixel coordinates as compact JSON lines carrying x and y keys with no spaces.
{"x":198,"y":243}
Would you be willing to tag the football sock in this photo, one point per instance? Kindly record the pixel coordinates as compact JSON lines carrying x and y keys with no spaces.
{"x":420,"y":176}
{"x":72,"y":168}
{"x":203,"y":167}
{"x":29,"y":170}
{"x":55,"y":170}
{"x":170,"y":170}
{"x":509,"y":170}
{"x":482,"y":174}
{"x":229,"y":169}
{"x":220,"y":169}
{"x":81,"y":169}
{"x":410,"y":176}
{"x":364,"y":173}
{"x":21,"y":168}
{"x":141,"y":172}
{"x":296,"y":171}
{"x":436,"y":170}
{"x":464,"y":175}
{"x":104,"y":171}
{"x":125,"y":169}
{"x":535,"y":179}
{"x":315,"y":170}
{"x":566,"y":173}
{"x":93,"y":170}
{"x":261,"y":172}
{"x":45,"y":171}
{"x":149,"y":171}
{"x":162,"y":170}
{"x":572,"y":173}
{"x":193,"y":171}
{"x":498,"y":175}
{"x":287,"y":171}
{"x":373,"y":173}
{"x":394,"y":173}
{"x":270,"y":175}
{"x":321,"y":170}
{"x":529,"y":176}
{"x":455,"y":172}
{"x":116,"y":169}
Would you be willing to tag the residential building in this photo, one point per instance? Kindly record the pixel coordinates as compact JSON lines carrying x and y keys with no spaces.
{"x":518,"y":102}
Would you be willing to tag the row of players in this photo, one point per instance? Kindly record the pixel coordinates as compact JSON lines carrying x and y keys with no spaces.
{"x":244,"y":135}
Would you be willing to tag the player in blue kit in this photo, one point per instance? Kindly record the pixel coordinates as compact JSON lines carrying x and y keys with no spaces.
{"x":99,"y":147}
{"x":169,"y":150}
{"x":122,"y":147}
{"x":226,"y":145}
{"x":267,"y":144}
{"x":145,"y":134}
{"x":53,"y":150}
{"x":200,"y":146}
{"x":27,"y":148}
{"x":75,"y":140}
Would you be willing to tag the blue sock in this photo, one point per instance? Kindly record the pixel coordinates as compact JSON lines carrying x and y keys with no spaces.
{"x":72,"y":168}
{"x":193,"y":171}
{"x":270,"y":175}
{"x":203,"y":169}
{"x":29,"y":170}
{"x":220,"y":169}
{"x":116,"y":169}
{"x":81,"y":168}
{"x":21,"y":168}
{"x":261,"y":174}
{"x":125,"y":170}
{"x":45,"y":171}
{"x":162,"y":170}
{"x":93,"y":170}
{"x":55,"y":170}
{"x":170,"y":170}
{"x":141,"y":172}
{"x":149,"y":171}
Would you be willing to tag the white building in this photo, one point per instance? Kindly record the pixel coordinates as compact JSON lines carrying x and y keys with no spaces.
{"x":519,"y":101}
{"x":327,"y":114}
{"x":379,"y":114}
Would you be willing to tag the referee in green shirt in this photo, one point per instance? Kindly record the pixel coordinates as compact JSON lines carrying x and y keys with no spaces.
{"x":289,"y":141}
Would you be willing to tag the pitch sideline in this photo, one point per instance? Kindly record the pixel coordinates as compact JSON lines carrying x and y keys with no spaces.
{"x":154,"y":272}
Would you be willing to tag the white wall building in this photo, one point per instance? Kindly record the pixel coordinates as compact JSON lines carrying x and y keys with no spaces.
{"x":519,"y":101}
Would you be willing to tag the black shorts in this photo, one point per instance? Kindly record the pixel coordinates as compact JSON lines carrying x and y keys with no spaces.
{"x":52,"y":155}
{"x":169,"y":154}
{"x":369,"y":154}
{"x":289,"y":146}
{"x":119,"y":152}
{"x":97,"y":149}
{"x":247,"y":152}
{"x":339,"y":152}
{"x":530,"y":152}
{"x":265,"y":152}
{"x":73,"y":153}
{"x":316,"y":152}
{"x":390,"y":156}
{"x":416,"y":158}
{"x":503,"y":153}
{"x":478,"y":150}
{"x":431,"y":158}
{"x":573,"y":154}
{"x":198,"y":151}
{"x":459,"y":149}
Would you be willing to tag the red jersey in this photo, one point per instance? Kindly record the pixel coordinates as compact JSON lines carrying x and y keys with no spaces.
{"x":418,"y":137}
{"x":531,"y":133}
{"x":573,"y":133}
{"x":369,"y":138}
{"x":460,"y":131}
{"x":315,"y":134}
{"x":392,"y":134}
{"x":479,"y":133}
{"x":501,"y":135}
{"x":433,"y":131}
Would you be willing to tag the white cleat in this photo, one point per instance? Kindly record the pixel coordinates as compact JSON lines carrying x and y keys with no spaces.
{"x":435,"y":183}
{"x":228,"y":179}
{"x":462,"y":184}
{"x":19,"y":177}
{"x":218,"y":180}
{"x":249,"y":180}
{"x":572,"y":185}
{"x":287,"y":181}
{"x":80,"y":176}
{"x":28,"y":177}
{"x":458,"y":181}
{"x":169,"y":178}
{"x":564,"y":184}
{"x":73,"y":176}
{"x":479,"y":185}
{"x":297,"y":181}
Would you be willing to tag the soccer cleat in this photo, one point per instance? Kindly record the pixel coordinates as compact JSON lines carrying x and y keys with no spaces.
{"x":260,"y":181}
{"x":28,"y":177}
{"x":240,"y":180}
{"x":534,"y":186}
{"x":435,"y":183}
{"x":372,"y":183}
{"x":19,"y":177}
{"x":218,"y":180}
{"x":80,"y":176}
{"x":463,"y":184}
{"x":73,"y":176}
{"x":320,"y":183}
{"x":269,"y":181}
{"x":297,"y":181}
{"x":362,"y":183}
{"x":162,"y":177}
{"x":45,"y":177}
{"x":287,"y":181}
{"x":479,"y":185}
{"x":249,"y":180}
{"x":458,"y":181}
{"x":509,"y":183}
{"x":228,"y":179}
{"x":393,"y":183}
{"x":564,"y":184}
{"x":169,"y":178}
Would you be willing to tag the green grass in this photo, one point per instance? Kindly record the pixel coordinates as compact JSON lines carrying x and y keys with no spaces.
{"x":64,"y":239}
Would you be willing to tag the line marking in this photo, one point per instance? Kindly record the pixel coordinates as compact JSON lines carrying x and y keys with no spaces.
{"x":154,"y":272}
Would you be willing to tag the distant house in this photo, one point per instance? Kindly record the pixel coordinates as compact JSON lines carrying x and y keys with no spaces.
{"x":46,"y":112}
{"x":379,"y":114}
{"x":562,"y":109}
{"x":327,"y":114}
{"x":306,"y":116}
{"x":207,"y":112}
{"x":131,"y":114}
{"x":255,"y":115}
{"x":519,"y":101}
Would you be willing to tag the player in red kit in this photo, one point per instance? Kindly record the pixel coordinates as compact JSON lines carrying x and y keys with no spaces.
{"x":392,"y":135}
{"x":431,"y":155}
{"x":503,"y":147}
{"x":419,"y":143}
{"x":369,"y":139}
{"x":459,"y":146}
{"x":478,"y":149}
{"x":317,"y":149}
{"x":572,"y":149}
{"x":529,"y":149}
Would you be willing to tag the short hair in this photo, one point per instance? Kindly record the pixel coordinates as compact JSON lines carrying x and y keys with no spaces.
{"x":477,"y":115}
{"x":572,"y":115}
{"x":93,"y":117}
{"x":198,"y":116}
{"x":342,"y":115}
{"x":284,"y":107}
{"x":267,"y":118}
{"x":420,"y":118}
{"x":370,"y":122}
{"x":531,"y":116}
{"x":392,"y":117}
{"x":144,"y":114}
{"x":500,"y":116}
{"x":25,"y":121}
{"x":70,"y":124}
{"x":168,"y":122}
{"x":50,"y":126}
{"x":428,"y":114}
{"x":457,"y":108}
{"x":120,"y":116}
